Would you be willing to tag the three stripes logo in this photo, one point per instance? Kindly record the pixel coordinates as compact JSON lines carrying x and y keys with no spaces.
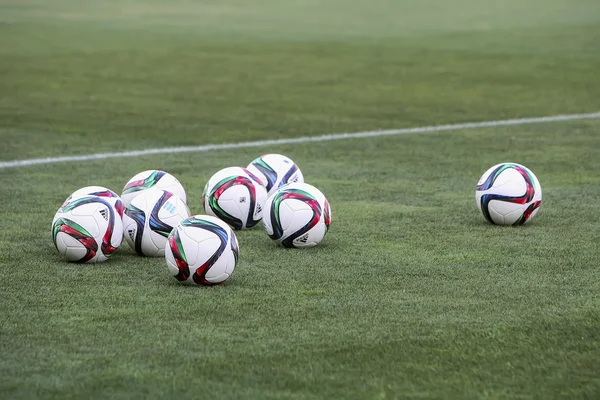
{"x":170,"y":208}
{"x":304,"y":238}
{"x":104,"y":214}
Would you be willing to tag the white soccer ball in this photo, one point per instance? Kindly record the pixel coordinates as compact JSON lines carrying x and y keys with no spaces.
{"x":87,"y":230}
{"x":508,"y":194}
{"x":274,"y":171}
{"x":99,"y":191}
{"x":149,"y":220}
{"x":152,"y":179}
{"x":297,"y":215}
{"x":202,"y":250}
{"x":235,"y":196}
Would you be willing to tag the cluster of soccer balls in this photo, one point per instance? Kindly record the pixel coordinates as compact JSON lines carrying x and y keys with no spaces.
{"x":153,"y":216}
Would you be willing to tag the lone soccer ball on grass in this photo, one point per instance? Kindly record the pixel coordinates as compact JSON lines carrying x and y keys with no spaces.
{"x":149,"y":220}
{"x":508,"y":194}
{"x":202,"y":250}
{"x":87,"y":229}
{"x":235,"y":196}
{"x":152,"y":179}
{"x":297,"y":215}
{"x":274,"y":171}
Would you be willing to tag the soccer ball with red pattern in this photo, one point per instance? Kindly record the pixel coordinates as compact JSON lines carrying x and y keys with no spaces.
{"x":87,"y":229}
{"x":202,"y":250}
{"x":235,"y":196}
{"x":297,"y":215}
{"x":508,"y":194}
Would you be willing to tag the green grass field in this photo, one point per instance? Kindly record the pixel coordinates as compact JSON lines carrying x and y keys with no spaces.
{"x":411,"y":295}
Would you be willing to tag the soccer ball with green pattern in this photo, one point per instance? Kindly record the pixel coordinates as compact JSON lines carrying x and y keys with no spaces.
{"x":149,"y":220}
{"x":202,"y":250}
{"x":235,"y":196}
{"x":508,"y":194}
{"x":274,"y":171}
{"x":152,"y":179}
{"x":87,"y":229}
{"x":297,"y":215}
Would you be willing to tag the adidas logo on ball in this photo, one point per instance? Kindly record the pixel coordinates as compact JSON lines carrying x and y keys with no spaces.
{"x":104,"y":214}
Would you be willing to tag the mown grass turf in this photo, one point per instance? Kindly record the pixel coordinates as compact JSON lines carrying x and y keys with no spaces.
{"x":411,"y":295}
{"x":411,"y":292}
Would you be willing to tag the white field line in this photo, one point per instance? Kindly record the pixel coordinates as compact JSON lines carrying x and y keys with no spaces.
{"x":305,"y":139}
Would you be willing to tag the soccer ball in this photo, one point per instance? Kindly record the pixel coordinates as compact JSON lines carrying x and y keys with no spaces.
{"x":275,"y":170}
{"x":508,"y":194}
{"x":152,"y":179}
{"x":202,"y":250}
{"x":149,"y":220}
{"x":297,"y":215}
{"x":87,"y":229}
{"x":236,"y":196}
{"x":99,"y":191}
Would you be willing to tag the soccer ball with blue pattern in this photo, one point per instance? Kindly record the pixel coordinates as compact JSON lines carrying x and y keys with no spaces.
{"x":202,"y":250}
{"x":508,"y":194}
{"x":150,"y":218}
{"x":274,"y":171}
{"x":87,"y":229}
{"x":235,"y":196}
{"x":297,"y":215}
